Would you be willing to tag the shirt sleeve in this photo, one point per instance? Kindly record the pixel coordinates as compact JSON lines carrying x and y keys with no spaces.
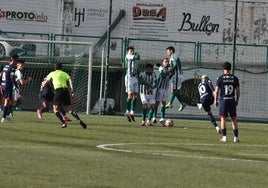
{"x":18,"y":75}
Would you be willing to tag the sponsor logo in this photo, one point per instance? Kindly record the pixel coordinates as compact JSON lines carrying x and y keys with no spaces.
{"x":23,"y":16}
{"x":158,"y":13}
{"x":205,"y":25}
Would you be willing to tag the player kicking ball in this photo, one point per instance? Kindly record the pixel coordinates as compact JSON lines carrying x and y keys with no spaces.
{"x":227,"y":86}
{"x":206,"y":92}
{"x":148,"y":84}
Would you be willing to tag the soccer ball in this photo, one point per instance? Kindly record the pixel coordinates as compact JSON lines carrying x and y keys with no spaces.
{"x":169,"y":123}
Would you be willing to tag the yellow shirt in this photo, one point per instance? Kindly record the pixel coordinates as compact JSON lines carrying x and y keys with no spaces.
{"x":59,"y":79}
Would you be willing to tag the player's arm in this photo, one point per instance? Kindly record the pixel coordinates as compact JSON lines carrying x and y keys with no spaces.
{"x":45,"y":82}
{"x":136,"y":56}
{"x":237,"y":94}
{"x":155,"y":83}
{"x":141,"y":80}
{"x":71,"y":85}
{"x":216,"y":93}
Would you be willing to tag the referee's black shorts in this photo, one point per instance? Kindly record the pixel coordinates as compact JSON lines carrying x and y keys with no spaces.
{"x":62,"y":97}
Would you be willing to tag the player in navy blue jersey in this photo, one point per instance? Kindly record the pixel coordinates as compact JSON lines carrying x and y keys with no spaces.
{"x":8,"y":82}
{"x":228,"y":88}
{"x":206,"y":92}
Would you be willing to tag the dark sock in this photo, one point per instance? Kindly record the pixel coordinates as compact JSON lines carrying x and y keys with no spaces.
{"x":212,"y":119}
{"x":63,"y":111}
{"x":60,"y":117}
{"x":178,"y":96}
{"x":144,"y":113}
{"x":5,"y":111}
{"x":235,"y":132}
{"x":223,"y":132}
{"x":163,"y":111}
{"x":155,"y":111}
{"x":75,"y":115}
{"x":128,"y":104}
{"x":133,"y":104}
{"x":171,"y":97}
{"x":150,"y":114}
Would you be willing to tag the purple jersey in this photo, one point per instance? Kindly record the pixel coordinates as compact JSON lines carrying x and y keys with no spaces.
{"x":8,"y":77}
{"x":227,"y":84}
{"x":206,"y":90}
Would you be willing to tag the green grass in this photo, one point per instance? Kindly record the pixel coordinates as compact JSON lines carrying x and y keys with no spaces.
{"x":36,"y":153}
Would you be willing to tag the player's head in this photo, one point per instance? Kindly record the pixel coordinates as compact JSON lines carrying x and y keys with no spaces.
{"x":130,"y":50}
{"x":204,"y":77}
{"x":165,"y":62}
{"x":226,"y":66}
{"x":20,"y":64}
{"x":13,"y":59}
{"x":170,"y":50}
{"x":58,"y":66}
{"x":149,"y":68}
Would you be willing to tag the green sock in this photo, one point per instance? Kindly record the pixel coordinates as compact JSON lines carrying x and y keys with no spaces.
{"x":150,"y":115}
{"x":155,"y":112}
{"x":171,"y":97}
{"x":133,"y":104}
{"x":163,"y":111}
{"x":144,"y":113}
{"x":128,"y":103}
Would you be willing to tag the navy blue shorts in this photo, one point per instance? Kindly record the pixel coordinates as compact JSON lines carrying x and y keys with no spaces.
{"x":7,"y":92}
{"x":207,"y":103}
{"x":227,"y":108}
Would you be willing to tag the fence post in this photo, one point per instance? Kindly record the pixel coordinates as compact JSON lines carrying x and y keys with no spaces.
{"x":266,"y":57}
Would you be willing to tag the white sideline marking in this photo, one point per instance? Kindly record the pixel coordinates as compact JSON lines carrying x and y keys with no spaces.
{"x":31,"y":147}
{"x":109,"y":147}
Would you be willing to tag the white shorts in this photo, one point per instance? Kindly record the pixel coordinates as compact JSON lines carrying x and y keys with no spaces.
{"x":162,"y":95}
{"x":131,"y":84}
{"x":16,"y":95}
{"x":147,"y":99}
{"x":176,"y":81}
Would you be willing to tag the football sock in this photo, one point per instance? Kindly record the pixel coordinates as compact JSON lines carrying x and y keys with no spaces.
{"x":128,"y":104}
{"x":75,"y":115}
{"x":60,"y":117}
{"x":133,"y":104}
{"x":171,"y":97}
{"x":178,"y":96}
{"x":223,"y":132}
{"x":235,"y":132}
{"x":155,"y":111}
{"x":212,"y":119}
{"x":150,"y":114}
{"x":144,"y":113}
{"x":163,"y":111}
{"x":44,"y":110}
{"x":63,"y":111}
{"x":5,"y":111}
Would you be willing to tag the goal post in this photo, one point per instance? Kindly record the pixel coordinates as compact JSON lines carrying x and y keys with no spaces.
{"x":75,"y":55}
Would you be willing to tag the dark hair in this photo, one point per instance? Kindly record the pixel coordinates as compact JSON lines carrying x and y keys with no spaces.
{"x":171,"y":48}
{"x":130,"y":48}
{"x":21,"y":61}
{"x":149,"y":65}
{"x":58,"y":66}
{"x":14,"y":57}
{"x":226,"y":66}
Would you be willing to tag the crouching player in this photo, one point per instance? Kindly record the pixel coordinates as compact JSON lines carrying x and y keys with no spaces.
{"x":46,"y":96}
{"x":148,"y":84}
{"x":162,"y":91}
{"x":206,"y":92}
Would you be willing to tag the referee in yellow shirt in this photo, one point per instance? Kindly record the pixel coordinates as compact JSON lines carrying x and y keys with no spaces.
{"x":60,"y":79}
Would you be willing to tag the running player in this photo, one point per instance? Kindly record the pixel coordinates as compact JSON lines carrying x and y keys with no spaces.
{"x":162,"y":91}
{"x":131,"y":82}
{"x":206,"y":92}
{"x":148,"y":84}
{"x":176,"y":69}
{"x":228,"y":88}
{"x":8,"y":82}
{"x":60,"y":80}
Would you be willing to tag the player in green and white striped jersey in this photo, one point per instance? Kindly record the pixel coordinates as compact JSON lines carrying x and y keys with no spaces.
{"x":175,"y":67}
{"x":131,"y":66}
{"x":162,"y":91}
{"x":148,"y":84}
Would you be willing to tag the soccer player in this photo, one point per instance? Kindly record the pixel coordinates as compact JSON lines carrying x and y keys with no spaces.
{"x":60,"y":79}
{"x":162,"y":91}
{"x":148,"y":84}
{"x":206,"y":92}
{"x":8,"y":82}
{"x":131,"y":82}
{"x":46,"y":95}
{"x":227,"y":86}
{"x":20,"y":81}
{"x":175,"y":68}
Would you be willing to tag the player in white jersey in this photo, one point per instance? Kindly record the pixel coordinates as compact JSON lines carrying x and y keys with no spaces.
{"x":131,"y":66}
{"x":20,"y":81}
{"x":148,"y":84}
{"x":162,"y":91}
{"x":175,"y":67}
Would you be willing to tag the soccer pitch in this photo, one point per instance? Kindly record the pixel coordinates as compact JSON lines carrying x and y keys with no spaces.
{"x":114,"y":153}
